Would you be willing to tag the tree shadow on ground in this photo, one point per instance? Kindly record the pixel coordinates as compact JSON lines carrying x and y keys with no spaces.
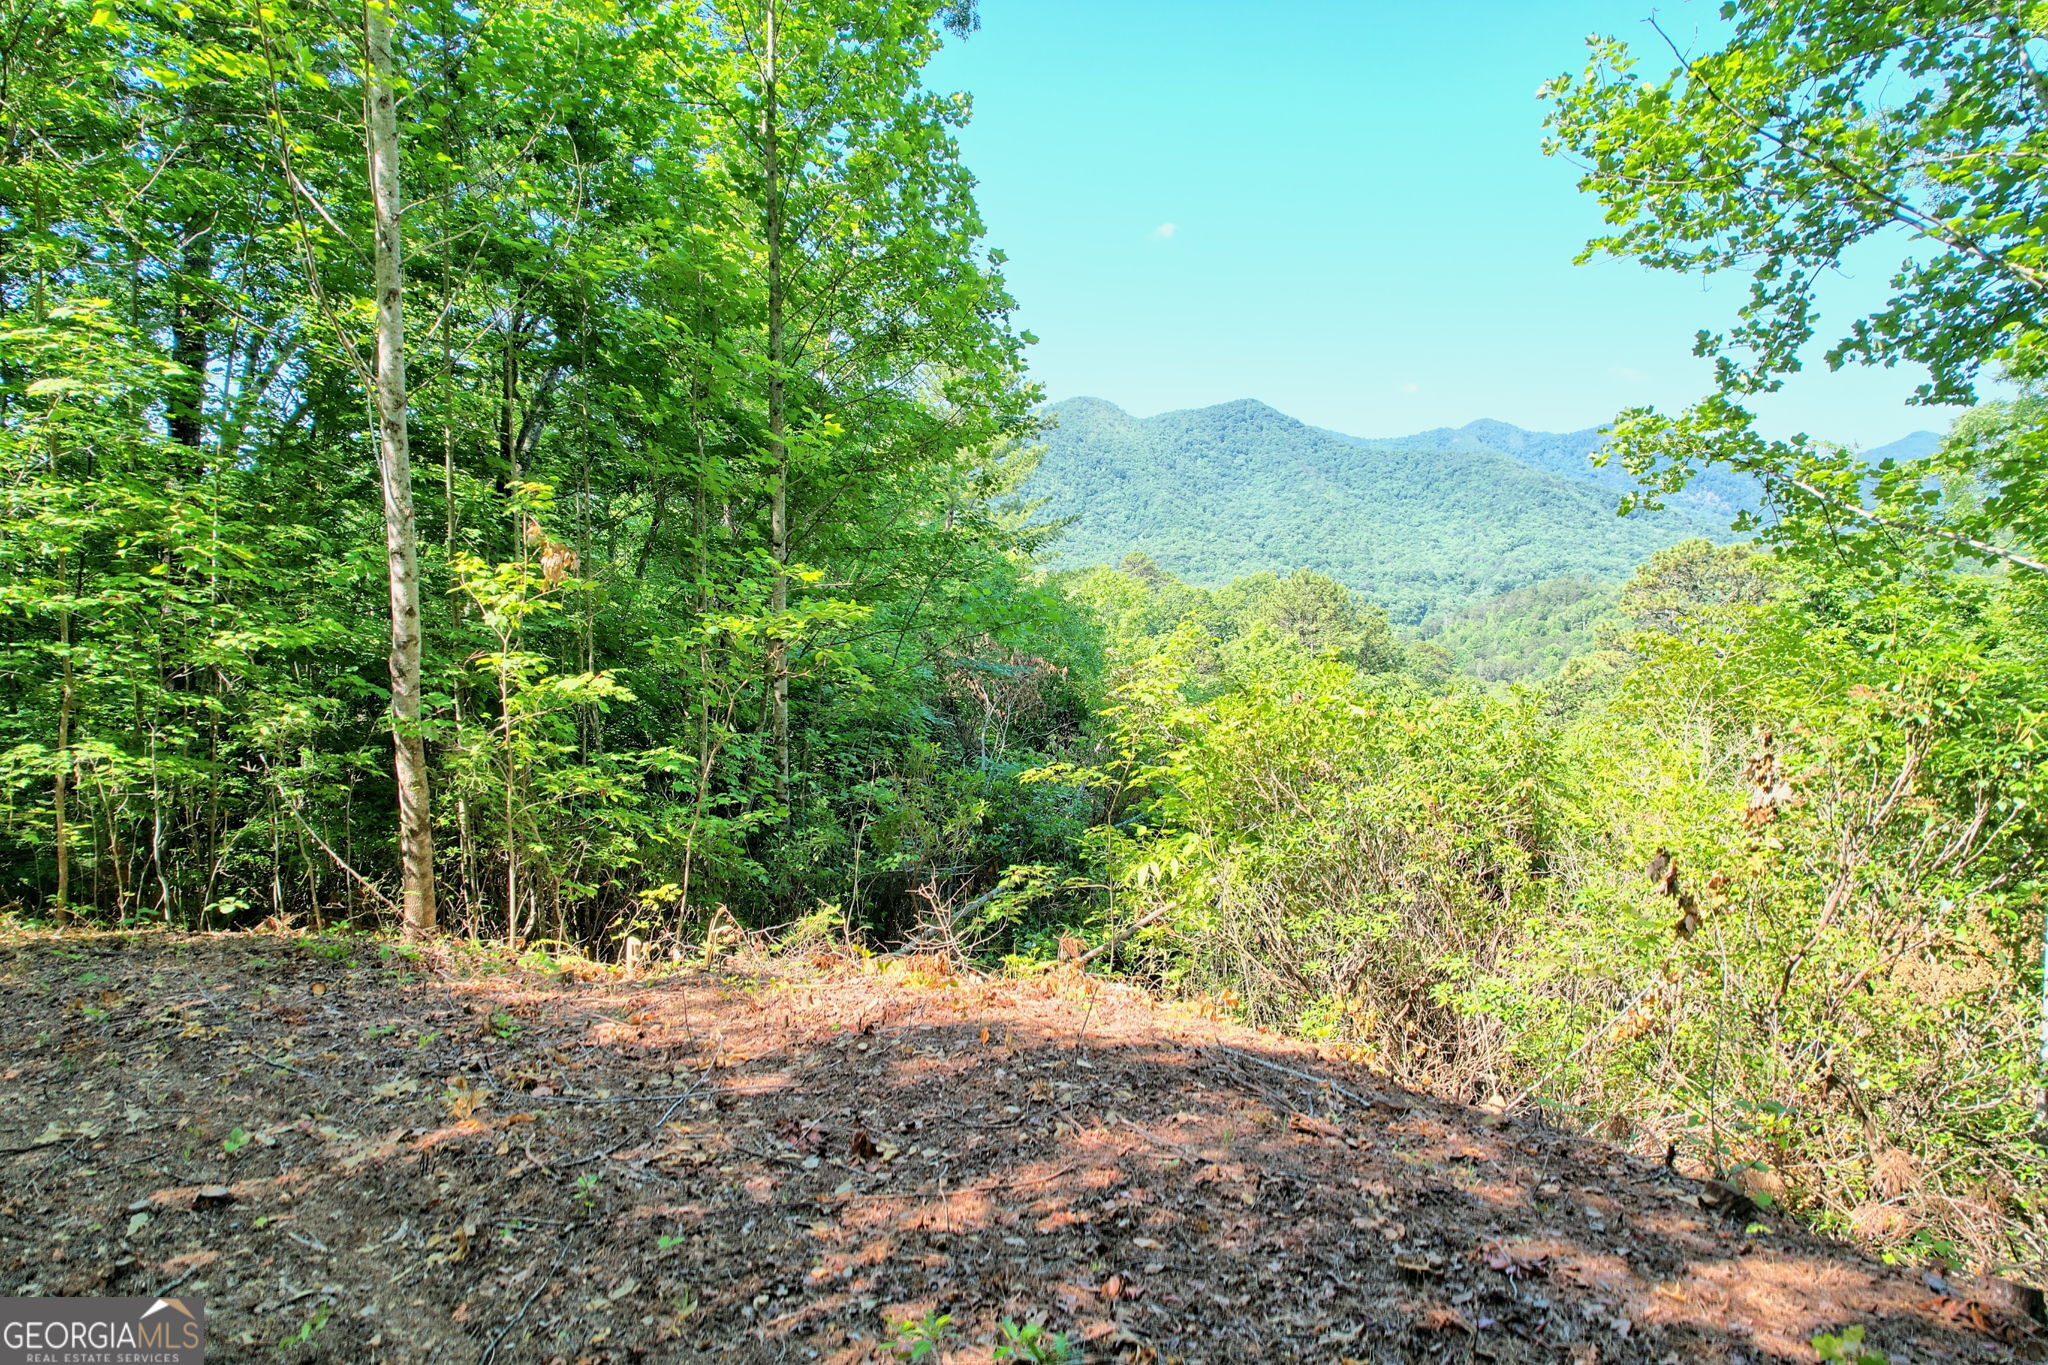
{"x":351,"y":1159}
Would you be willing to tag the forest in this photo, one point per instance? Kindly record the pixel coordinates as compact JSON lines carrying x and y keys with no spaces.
{"x":1423,"y":524}
{"x":681,"y":507}
{"x":564,"y":481}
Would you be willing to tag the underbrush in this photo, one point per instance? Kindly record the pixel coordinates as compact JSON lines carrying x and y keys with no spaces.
{"x":1754,"y":892}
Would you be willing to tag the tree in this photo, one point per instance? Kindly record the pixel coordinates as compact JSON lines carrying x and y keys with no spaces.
{"x":394,"y":469}
{"x":1691,"y":581}
{"x":1317,"y":613}
{"x":219,"y":355}
{"x":772,"y":233}
{"x":1818,"y":127}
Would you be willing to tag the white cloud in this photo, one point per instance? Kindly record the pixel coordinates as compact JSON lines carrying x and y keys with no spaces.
{"x":1165,"y":230}
{"x":1411,"y":388}
{"x":1627,"y":372}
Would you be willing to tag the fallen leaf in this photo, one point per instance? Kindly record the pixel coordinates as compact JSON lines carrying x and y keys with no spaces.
{"x":1441,"y":1319}
{"x":462,"y":1098}
{"x":1514,"y":1262}
{"x":1306,"y":1123}
{"x":804,"y":1137}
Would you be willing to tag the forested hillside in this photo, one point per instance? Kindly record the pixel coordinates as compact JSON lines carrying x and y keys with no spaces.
{"x":1716,"y":495}
{"x":1417,"y":524}
{"x":1768,"y":831}
{"x":1526,"y":633}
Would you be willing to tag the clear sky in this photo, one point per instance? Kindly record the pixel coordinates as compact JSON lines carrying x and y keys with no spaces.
{"x":1339,"y":207}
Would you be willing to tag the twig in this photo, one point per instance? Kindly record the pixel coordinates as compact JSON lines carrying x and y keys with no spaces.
{"x":1581,"y":1049}
{"x":1145,"y":1134}
{"x":609,"y":1099}
{"x":1109,"y":944}
{"x":594,"y":1156}
{"x":491,"y":1350}
{"x":1015,"y":1184}
{"x":298,"y":1294}
{"x":342,"y":863}
{"x":161,"y":1293}
{"x":697,"y":1085}
{"x":1365,"y":1101}
{"x":780,"y":1158}
{"x":285,"y":1066}
{"x":946,"y":1196}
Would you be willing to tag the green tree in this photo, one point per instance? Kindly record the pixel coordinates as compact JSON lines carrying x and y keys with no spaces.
{"x":1822,"y":127}
{"x":1324,"y":617}
{"x":201,"y":281}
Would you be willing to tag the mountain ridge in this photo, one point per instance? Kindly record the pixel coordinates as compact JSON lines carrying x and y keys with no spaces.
{"x":1423,"y":523}
{"x":1419,"y":524}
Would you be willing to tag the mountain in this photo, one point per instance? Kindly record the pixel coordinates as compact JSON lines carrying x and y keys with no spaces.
{"x":1718,"y":493}
{"x":1911,"y":446}
{"x":1419,"y":524}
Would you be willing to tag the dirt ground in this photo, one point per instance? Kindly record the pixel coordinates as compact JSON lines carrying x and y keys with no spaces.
{"x":353,"y":1155}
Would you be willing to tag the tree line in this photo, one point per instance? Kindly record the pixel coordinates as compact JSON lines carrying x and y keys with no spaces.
{"x":641,"y":370}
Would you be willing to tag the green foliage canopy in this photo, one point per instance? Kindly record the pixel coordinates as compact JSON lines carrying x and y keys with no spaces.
{"x":192,"y":597}
{"x":1818,"y":130}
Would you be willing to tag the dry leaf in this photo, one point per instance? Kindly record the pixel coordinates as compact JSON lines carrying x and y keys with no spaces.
{"x":1306,"y":1123}
{"x":463,"y":1099}
{"x":1441,"y":1319}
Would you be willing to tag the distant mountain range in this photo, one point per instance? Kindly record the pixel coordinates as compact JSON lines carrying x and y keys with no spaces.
{"x":1716,"y":493}
{"x":1911,"y":446}
{"x":1420,"y":524}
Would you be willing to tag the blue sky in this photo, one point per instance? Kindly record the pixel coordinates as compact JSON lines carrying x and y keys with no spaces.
{"x":1341,"y":209}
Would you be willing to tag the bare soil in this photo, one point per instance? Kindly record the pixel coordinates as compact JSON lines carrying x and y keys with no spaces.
{"x":350,"y":1155}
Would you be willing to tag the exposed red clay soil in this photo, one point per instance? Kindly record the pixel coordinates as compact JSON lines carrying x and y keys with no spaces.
{"x":437,"y":1163}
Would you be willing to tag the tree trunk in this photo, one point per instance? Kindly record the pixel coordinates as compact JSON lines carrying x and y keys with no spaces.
{"x":67,"y":697}
{"x":508,"y":406}
{"x":191,"y":316}
{"x":465,"y":844}
{"x":66,"y":704}
{"x":394,"y":467}
{"x":2044,"y":1028}
{"x":778,"y":447}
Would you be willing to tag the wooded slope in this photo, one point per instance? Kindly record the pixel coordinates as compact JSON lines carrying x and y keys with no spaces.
{"x":1417,"y":524}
